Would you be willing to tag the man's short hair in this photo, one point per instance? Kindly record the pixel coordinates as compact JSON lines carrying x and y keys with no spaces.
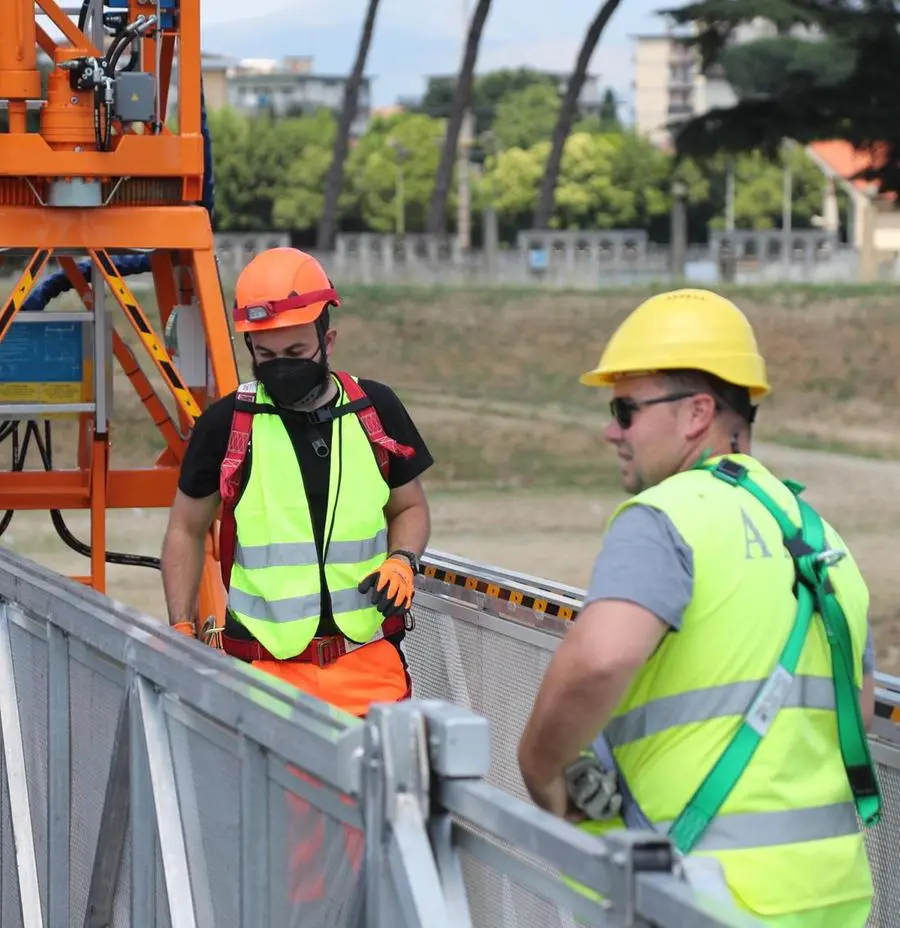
{"x":728,"y":396}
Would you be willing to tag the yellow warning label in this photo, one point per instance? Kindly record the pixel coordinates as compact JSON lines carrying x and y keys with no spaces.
{"x":42,"y":392}
{"x":134,"y":98}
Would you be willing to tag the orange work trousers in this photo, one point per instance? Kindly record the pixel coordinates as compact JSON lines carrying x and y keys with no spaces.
{"x":374,"y":673}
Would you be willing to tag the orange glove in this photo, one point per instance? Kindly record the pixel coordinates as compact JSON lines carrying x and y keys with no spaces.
{"x":185,"y":628}
{"x":391,"y":586}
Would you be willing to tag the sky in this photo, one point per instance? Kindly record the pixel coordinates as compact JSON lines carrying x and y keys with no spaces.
{"x":418,"y":37}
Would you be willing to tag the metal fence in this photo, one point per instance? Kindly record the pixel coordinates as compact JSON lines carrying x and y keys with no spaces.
{"x":146,"y":780}
{"x":483,"y":639}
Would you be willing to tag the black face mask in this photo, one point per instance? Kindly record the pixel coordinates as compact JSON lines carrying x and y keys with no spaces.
{"x":291,"y":381}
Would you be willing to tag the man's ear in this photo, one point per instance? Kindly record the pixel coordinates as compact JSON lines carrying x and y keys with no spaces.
{"x":330,"y":338}
{"x":702,"y":413}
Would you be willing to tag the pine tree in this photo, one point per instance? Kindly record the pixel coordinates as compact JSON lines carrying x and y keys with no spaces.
{"x":862,"y":107}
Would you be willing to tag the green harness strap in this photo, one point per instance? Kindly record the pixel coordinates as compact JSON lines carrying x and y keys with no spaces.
{"x":807,"y":546}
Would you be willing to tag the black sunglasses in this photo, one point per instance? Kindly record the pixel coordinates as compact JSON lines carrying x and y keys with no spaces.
{"x":623,"y":408}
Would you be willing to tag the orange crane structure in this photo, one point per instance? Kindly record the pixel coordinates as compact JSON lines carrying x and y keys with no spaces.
{"x":91,"y":170}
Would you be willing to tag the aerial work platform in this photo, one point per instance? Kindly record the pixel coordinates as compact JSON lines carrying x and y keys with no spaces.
{"x":150,"y":780}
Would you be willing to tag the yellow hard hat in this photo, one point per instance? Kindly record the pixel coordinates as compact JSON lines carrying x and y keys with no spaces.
{"x":684,"y":329}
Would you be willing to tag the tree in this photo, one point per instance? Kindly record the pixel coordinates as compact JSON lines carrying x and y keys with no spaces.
{"x":373,"y":165}
{"x":335,"y":177}
{"x":606,"y":181}
{"x":763,"y":67}
{"x":862,"y":108}
{"x":526,"y":116}
{"x":488,"y":91}
{"x":269,"y":173}
{"x":299,"y":197}
{"x":609,"y":111}
{"x":437,"y":211}
{"x":567,"y":113}
{"x":759,"y":191}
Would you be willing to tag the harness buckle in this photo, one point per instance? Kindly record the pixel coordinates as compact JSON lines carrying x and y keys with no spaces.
{"x":327,"y":651}
{"x":830,"y":557}
{"x":409,"y":620}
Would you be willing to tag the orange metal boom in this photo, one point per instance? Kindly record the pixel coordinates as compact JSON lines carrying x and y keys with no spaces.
{"x":102,"y":176}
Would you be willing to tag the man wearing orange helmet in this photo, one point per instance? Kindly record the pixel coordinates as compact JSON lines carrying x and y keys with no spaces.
{"x":721,"y":654}
{"x":323,"y":514}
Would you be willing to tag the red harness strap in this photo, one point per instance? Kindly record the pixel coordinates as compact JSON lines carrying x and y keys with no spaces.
{"x":230,"y":476}
{"x":239,"y":441}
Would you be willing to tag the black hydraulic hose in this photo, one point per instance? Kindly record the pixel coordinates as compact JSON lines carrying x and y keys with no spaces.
{"x":45,"y":451}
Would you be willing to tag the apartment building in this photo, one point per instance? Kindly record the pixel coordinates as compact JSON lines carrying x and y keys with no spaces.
{"x":292,"y":87}
{"x":284,"y":88}
{"x":668,"y":84}
{"x":665,"y":69}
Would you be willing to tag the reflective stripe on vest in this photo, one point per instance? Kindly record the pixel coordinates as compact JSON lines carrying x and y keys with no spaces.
{"x":769,"y":829}
{"x":296,"y":607}
{"x":302,"y":554}
{"x":787,"y":835}
{"x":275,"y":587}
{"x":806,"y":692}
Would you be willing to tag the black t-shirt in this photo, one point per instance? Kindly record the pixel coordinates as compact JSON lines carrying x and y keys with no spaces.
{"x":202,"y":464}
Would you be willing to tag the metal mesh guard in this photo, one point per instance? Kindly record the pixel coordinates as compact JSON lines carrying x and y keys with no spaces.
{"x":497,"y":675}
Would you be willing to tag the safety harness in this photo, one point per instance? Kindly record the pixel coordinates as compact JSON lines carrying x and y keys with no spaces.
{"x":245,"y":407}
{"x":812,"y":558}
{"x":588,"y":777}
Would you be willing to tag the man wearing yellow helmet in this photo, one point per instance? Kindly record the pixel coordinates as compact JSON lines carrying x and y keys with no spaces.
{"x":721,"y":654}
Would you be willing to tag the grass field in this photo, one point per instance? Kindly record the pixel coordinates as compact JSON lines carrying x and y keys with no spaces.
{"x":522,"y":476}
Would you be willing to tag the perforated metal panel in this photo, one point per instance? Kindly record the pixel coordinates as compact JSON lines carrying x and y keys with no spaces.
{"x":10,"y":905}
{"x":883,"y":843}
{"x":94,"y":705}
{"x":498,"y":899}
{"x":494,"y":673}
{"x":317,"y":860}
{"x":29,"y":655}
{"x":481,"y":660}
{"x":208,"y":775}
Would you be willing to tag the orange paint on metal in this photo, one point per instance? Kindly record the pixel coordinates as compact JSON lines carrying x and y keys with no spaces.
{"x":146,"y":165}
{"x":24,"y":285}
{"x":67,"y":119}
{"x":19,"y":76}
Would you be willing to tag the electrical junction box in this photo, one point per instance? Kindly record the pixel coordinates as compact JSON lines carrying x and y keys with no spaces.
{"x":46,"y":359}
{"x":185,"y":340}
{"x":134,"y":97}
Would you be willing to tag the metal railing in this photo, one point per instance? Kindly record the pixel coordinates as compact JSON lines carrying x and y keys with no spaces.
{"x":483,"y":639}
{"x":147,"y":780}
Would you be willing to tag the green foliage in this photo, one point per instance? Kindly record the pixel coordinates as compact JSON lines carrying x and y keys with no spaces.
{"x":766,"y":66}
{"x":759,"y":191}
{"x":526,"y":116}
{"x":401,"y":142}
{"x":270,"y":173}
{"x":488,"y":91}
{"x":855,"y":98}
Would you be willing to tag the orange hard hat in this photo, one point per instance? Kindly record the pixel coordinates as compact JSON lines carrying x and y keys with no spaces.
{"x":281,"y":287}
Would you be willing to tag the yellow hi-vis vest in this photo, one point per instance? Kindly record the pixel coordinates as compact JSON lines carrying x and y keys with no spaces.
{"x":787,"y":836}
{"x":275,"y":589}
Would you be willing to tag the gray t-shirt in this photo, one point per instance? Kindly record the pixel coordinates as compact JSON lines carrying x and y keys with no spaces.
{"x":646,"y":561}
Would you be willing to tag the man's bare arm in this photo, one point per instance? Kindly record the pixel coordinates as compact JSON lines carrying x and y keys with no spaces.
{"x":587,"y":677}
{"x":408,"y":518}
{"x":183,"y":553}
